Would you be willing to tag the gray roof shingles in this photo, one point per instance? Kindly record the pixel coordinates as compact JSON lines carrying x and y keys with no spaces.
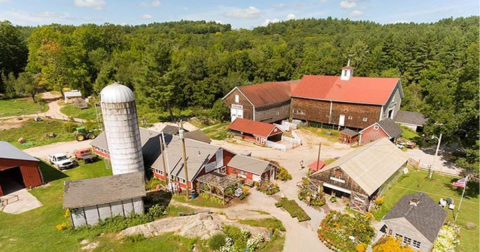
{"x":145,"y":134}
{"x":249,"y":164}
{"x":390,"y":127}
{"x":427,"y":217}
{"x":8,"y":151}
{"x":414,"y":118}
{"x":103,"y":190}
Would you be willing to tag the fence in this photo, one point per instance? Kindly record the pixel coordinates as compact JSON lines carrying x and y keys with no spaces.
{"x":278,"y":146}
{"x":289,"y":124}
{"x":282,"y":127}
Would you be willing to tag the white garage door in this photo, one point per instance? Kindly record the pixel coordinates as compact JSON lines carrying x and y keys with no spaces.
{"x":236,"y":112}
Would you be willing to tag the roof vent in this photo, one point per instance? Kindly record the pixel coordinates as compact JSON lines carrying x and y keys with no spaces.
{"x":414,"y":201}
{"x":347,"y":72}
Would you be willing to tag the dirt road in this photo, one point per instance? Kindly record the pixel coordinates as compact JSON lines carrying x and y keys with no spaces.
{"x":68,"y":148}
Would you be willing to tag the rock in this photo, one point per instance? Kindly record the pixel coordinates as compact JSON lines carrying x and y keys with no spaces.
{"x":91,"y":246}
{"x":471,"y":225}
{"x":84,"y":242}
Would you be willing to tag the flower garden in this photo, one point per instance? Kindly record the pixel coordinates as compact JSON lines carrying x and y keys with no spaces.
{"x":293,"y":209}
{"x":345,"y":232}
{"x":268,"y":188}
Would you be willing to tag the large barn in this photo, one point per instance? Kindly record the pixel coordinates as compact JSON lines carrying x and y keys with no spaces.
{"x":364,"y":173}
{"x":17,"y":169}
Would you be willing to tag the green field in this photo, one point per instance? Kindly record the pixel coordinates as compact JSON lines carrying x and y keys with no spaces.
{"x":218,"y":131}
{"x":87,"y":114}
{"x":35,"y":132}
{"x":18,"y":107}
{"x":440,"y":187}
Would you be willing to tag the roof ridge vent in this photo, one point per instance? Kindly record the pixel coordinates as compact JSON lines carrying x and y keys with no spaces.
{"x":347,"y":71}
{"x":414,"y":201}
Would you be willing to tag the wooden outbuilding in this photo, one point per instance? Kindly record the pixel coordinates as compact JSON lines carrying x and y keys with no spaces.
{"x":385,"y":128}
{"x":17,"y":169}
{"x":364,"y":173}
{"x":258,"y":132}
{"x":348,"y":136}
{"x":251,"y":169}
{"x":412,"y":120}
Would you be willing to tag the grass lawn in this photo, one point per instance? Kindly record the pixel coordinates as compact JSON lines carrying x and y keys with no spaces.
{"x":35,"y":132}
{"x":87,"y":114}
{"x":218,"y":131}
{"x":330,"y":134}
{"x":440,"y":187}
{"x":17,"y":107}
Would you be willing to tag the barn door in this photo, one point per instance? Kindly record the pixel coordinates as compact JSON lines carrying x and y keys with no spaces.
{"x":236,"y":112}
{"x":341,"y":121}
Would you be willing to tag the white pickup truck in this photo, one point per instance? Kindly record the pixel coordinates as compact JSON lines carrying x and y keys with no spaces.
{"x":60,"y":160}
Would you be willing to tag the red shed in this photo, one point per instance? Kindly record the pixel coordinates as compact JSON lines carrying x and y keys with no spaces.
{"x":17,"y":169}
{"x":254,"y":131}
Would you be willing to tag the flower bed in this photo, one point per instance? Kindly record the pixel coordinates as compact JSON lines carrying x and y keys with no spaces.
{"x":448,"y":238}
{"x":268,"y":188}
{"x":293,"y":209}
{"x":336,"y":229}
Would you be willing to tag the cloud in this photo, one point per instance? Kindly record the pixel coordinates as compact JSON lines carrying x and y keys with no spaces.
{"x":47,"y":14}
{"x":156,"y":3}
{"x":248,"y":13}
{"x":95,"y":4}
{"x":269,"y":21}
{"x":290,"y":16}
{"x":347,"y":4}
{"x":146,"y":17}
{"x":4,"y":1}
{"x":355,"y":13}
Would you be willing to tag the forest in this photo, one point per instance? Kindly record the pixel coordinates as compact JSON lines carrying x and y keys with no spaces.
{"x":183,"y":65}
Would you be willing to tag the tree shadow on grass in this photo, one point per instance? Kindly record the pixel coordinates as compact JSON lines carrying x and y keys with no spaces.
{"x":158,"y":197}
{"x":471,"y":191}
{"x":50,"y":173}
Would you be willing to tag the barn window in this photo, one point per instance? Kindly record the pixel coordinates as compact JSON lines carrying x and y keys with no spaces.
{"x":398,"y":236}
{"x":407,"y":240}
{"x":278,"y":113}
{"x":416,"y":244}
{"x":237,"y":98}
{"x":365,"y":119}
{"x":375,"y":127}
{"x":350,"y":117}
{"x":183,"y":181}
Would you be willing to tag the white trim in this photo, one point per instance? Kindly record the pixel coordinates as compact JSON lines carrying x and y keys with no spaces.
{"x":336,"y":188}
{"x":338,"y":180}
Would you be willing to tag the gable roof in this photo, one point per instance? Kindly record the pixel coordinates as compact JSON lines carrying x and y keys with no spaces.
{"x":145,"y":134}
{"x":198,"y":135}
{"x":370,"y":165}
{"x":78,"y":193}
{"x":197,"y":154}
{"x":267,"y":93}
{"x":171,"y":129}
{"x":8,"y":151}
{"x":249,"y":164}
{"x":427,"y":217}
{"x":349,"y":132}
{"x":390,"y":127}
{"x":363,"y":90}
{"x":410,"y":118}
{"x":254,"y":127}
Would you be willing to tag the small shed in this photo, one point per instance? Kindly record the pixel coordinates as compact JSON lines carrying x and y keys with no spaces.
{"x":251,"y":169}
{"x":17,"y":169}
{"x":316,"y":166}
{"x":95,"y":199}
{"x":348,"y":136}
{"x":258,"y":132}
{"x":416,"y":220}
{"x":412,"y":120}
{"x":385,"y":128}
{"x":72,"y":96}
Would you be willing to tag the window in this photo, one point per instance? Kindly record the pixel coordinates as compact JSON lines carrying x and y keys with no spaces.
{"x":299,"y":112}
{"x":242,"y":173}
{"x":375,"y":127}
{"x":365,"y":119}
{"x":407,"y":240}
{"x":416,"y":244}
{"x":350,"y":117}
{"x":183,"y":181}
{"x":398,"y":236}
{"x":237,"y":98}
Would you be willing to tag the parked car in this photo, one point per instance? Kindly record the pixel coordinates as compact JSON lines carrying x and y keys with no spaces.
{"x":61,"y":161}
{"x":86,"y":155}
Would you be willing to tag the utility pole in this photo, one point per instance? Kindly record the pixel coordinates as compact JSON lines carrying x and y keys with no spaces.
{"x":182,"y":137}
{"x":318,"y":158}
{"x":162,"y":149}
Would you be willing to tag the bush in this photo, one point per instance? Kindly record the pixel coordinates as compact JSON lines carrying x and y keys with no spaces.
{"x":283,"y":175}
{"x":70,"y":127}
{"x":157,"y":211}
{"x":152,"y":183}
{"x":62,"y":226}
{"x":216,"y":241}
{"x":361,"y":247}
{"x":242,"y":197}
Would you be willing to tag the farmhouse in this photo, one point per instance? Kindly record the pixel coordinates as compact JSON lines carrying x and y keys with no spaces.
{"x":266,"y":102}
{"x":346,"y":101}
{"x":251,"y":169}
{"x":416,"y":219}
{"x":17,"y":169}
{"x":385,"y":128}
{"x":92,"y":200}
{"x":72,"y":96}
{"x":412,"y":120}
{"x":363,"y":173}
{"x":258,"y":132}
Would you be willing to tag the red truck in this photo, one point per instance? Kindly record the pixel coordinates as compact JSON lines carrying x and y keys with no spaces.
{"x":86,"y":155}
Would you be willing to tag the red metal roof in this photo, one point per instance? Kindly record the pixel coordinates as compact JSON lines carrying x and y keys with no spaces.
{"x":313,"y":166}
{"x":362,"y":90}
{"x":253,"y":127}
{"x":268,"y":93}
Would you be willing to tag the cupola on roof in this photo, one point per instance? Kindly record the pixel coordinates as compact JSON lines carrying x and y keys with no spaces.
{"x":116,"y":93}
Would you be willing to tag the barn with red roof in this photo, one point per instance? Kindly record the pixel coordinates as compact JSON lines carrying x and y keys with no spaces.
{"x":346,"y":101}
{"x":258,"y":132}
{"x":266,"y":102}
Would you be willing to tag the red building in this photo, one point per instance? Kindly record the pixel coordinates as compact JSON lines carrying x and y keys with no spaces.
{"x":258,"y":132}
{"x":17,"y":169}
{"x":385,"y":128}
{"x":252,"y":169}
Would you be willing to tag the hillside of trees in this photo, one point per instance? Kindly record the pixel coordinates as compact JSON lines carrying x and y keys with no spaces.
{"x":187,"y":64}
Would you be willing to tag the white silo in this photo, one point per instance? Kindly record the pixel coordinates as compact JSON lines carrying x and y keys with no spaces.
{"x":121,"y":129}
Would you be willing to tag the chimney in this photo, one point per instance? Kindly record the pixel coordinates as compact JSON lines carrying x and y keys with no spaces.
{"x":347,"y":71}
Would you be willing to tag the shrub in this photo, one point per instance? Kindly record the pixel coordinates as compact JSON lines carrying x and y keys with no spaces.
{"x":217,"y":241}
{"x":157,"y":211}
{"x":361,"y":247}
{"x":242,"y":197}
{"x":62,"y":226}
{"x":283,"y":175}
{"x":70,"y":127}
{"x":379,"y":201}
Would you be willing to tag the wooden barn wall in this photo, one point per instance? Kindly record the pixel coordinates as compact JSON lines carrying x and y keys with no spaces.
{"x":273,"y":113}
{"x":247,"y":106}
{"x":349,"y":184}
{"x":394,"y":101}
{"x":371,"y":134}
{"x":30,"y":171}
{"x":319,"y":111}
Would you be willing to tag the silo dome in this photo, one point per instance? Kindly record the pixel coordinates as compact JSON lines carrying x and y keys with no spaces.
{"x":121,"y":129}
{"x":116,"y":93}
